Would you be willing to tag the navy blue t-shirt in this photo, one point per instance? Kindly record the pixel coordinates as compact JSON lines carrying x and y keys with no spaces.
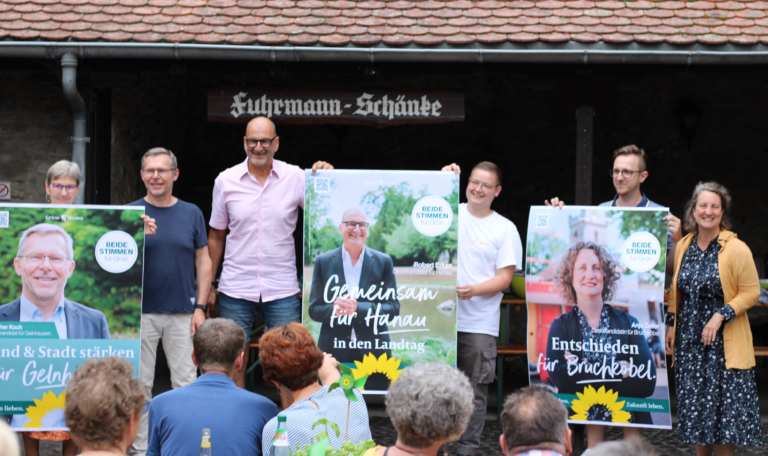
{"x":169,"y":257}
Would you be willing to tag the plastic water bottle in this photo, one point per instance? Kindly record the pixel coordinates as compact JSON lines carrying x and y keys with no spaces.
{"x":280,"y":445}
{"x":205,"y":445}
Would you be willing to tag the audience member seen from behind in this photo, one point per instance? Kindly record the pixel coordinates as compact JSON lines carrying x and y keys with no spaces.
{"x":635,"y":446}
{"x":234,"y":416}
{"x":715,"y":282}
{"x":429,"y":405}
{"x":104,"y":406}
{"x":292,"y":362}
{"x":9,"y":443}
{"x":532,"y":421}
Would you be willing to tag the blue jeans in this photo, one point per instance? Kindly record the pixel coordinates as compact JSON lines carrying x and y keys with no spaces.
{"x":275,"y":313}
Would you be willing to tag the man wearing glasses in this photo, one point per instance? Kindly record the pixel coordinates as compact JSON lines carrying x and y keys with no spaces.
{"x":628,"y":172}
{"x":347,"y":283}
{"x":177,"y":275}
{"x":258,"y":201}
{"x":45,"y":261}
{"x":489,"y":252}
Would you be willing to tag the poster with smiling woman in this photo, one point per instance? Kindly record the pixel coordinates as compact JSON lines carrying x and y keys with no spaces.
{"x":380,"y":269}
{"x":595,"y":293}
{"x":70,"y":290}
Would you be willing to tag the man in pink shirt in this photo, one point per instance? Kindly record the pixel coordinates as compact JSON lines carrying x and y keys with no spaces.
{"x":258,"y":201}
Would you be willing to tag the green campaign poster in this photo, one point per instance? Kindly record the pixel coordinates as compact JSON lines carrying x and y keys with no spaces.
{"x":70,"y":290}
{"x":380,"y":269}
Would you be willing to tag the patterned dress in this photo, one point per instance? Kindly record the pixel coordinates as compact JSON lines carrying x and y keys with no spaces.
{"x":715,"y":405}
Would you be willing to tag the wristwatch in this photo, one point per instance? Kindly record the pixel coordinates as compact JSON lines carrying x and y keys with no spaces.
{"x":202,"y":307}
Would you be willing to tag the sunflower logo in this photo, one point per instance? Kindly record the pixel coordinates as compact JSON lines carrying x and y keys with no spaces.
{"x":600,"y":405}
{"x":41,"y":411}
{"x":381,"y":365}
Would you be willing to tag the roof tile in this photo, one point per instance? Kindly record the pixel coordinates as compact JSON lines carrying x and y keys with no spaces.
{"x":570,"y":28}
{"x":477,"y":12}
{"x":539,"y":28}
{"x":303,"y":39}
{"x":460,"y":39}
{"x":366,"y":22}
{"x":555,"y":37}
{"x":16,"y":25}
{"x":712,"y":39}
{"x":610,"y":5}
{"x":290,"y":30}
{"x":632,"y":29}
{"x":340,"y":21}
{"x":739,"y":22}
{"x":459,"y":4}
{"x":680,"y":39}
{"x":660,"y":13}
{"x":649,"y":38}
{"x":476,"y":30}
{"x":626,"y":12}
{"x":508,"y":12}
{"x":603,"y":29}
{"x":98,"y":17}
{"x":568,"y":12}
{"x":537,"y":12}
{"x":200,"y":29}
{"x":107,"y":27}
{"x":27,"y":8}
{"x":351,"y":30}
{"x":66,"y":17}
{"x":415,"y":13}
{"x":187,"y":20}
{"x":54,"y":35}
{"x":492,"y":21}
{"x":756,"y":30}
{"x":725,"y":30}
{"x":663,"y":30}
{"x":598,"y":13}
{"x":752,"y":14}
{"x":257,"y":30}
{"x":272,"y":20}
{"x":523,"y":37}
{"x":45,"y":25}
{"x":689,"y":13}
{"x":356,"y":12}
{"x":229,"y":29}
{"x":670,"y":5}
{"x":550,"y":4}
{"x":646,"y":21}
{"x":554,"y":20}
{"x":117,"y":36}
{"x":614,"y":20}
{"x":386,"y":13}
{"x":585,"y":20}
{"x":743,"y":39}
{"x":140,"y":27}
{"x":522,"y":4}
{"x":524,"y":20}
{"x":677,"y":22}
{"x":446,"y":13}
{"x":56,"y":8}
{"x":431,"y":5}
{"x":285,"y":4}
{"x":617,"y":38}
{"x":265,"y":12}
{"x":179,"y":37}
{"x":368,"y":4}
{"x":245,"y":20}
{"x":243,"y":3}
{"x":509,"y":29}
{"x":491,"y":37}
{"x":708,"y":22}
{"x":366,"y":40}
{"x":397,"y":40}
{"x":321,"y":30}
{"x":641,"y":4}
{"x":701,"y":5}
{"x":580,"y":4}
{"x":73,"y":26}
{"x":695,"y":30}
{"x":730,"y":5}
{"x":191,"y":3}
{"x":9,"y":16}
{"x":241,"y":38}
{"x":401,"y":22}
{"x":236,"y":11}
{"x":414,"y":30}
{"x":87,"y":35}
{"x":271,"y":38}
{"x":461,"y":22}
{"x":445,"y":30}
{"x":401,"y":5}
{"x":585,"y":37}
{"x":117,"y":9}
{"x":382,"y":30}
{"x":212,"y":38}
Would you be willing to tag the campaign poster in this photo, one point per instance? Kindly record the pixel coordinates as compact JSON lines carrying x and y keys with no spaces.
{"x":70,"y":290}
{"x":380,"y":269}
{"x":595,"y":292}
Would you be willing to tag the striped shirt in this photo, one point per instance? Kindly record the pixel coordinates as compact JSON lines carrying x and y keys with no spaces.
{"x":333,"y":407}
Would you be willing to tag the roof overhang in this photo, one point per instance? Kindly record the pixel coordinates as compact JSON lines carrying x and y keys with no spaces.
{"x":538,"y":52}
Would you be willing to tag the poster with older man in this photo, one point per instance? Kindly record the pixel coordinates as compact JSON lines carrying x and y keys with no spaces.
{"x":380,"y":269}
{"x":70,"y":290}
{"x":594,"y":285}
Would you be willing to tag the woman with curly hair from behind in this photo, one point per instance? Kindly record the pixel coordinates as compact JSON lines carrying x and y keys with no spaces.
{"x":595,"y":341}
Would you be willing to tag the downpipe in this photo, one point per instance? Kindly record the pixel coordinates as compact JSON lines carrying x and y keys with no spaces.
{"x":79,"y":138}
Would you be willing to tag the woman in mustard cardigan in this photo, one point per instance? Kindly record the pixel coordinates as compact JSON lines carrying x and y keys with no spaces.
{"x":715,"y":282}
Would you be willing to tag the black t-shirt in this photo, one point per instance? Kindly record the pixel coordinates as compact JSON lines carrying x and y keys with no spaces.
{"x":169,"y":257}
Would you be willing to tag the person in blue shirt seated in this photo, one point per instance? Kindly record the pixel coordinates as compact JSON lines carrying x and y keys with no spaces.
{"x":235,"y":416}
{"x":594,"y":340}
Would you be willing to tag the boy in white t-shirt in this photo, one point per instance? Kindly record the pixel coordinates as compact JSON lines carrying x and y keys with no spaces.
{"x":489,"y":252}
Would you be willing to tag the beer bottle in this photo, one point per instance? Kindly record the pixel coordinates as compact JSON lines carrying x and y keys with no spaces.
{"x":205,"y":446}
{"x":280,"y":445}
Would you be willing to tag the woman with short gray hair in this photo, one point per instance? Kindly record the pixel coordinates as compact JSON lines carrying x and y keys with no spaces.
{"x":429,"y":405}
{"x":62,"y":182}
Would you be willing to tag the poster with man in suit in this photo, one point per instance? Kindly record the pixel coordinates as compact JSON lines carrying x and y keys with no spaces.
{"x":70,"y":290}
{"x":380,"y":269}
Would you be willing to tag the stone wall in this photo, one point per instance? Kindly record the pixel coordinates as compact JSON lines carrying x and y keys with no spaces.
{"x":35,"y":127}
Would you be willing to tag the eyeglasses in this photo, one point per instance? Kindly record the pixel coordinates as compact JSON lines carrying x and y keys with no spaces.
{"x":161,"y":172}
{"x":59,"y":187}
{"x":145,"y":407}
{"x":36,"y":259}
{"x":627,"y":173}
{"x":476,"y":183}
{"x":352,"y":225}
{"x":265,"y":143}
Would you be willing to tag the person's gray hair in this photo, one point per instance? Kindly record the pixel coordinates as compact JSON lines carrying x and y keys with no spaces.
{"x":217,"y":344}
{"x":689,"y":221}
{"x":356,"y":209}
{"x":430,"y":403}
{"x":155,"y":151}
{"x":63,"y":168}
{"x":47,"y":228}
{"x":532,"y":416}
{"x":633,"y":447}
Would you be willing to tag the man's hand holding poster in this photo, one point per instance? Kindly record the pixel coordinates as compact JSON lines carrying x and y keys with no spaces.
{"x":70,"y":282}
{"x":595,"y":293}
{"x":380,"y":269}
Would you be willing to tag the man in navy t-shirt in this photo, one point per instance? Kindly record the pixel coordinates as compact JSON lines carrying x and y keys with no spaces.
{"x":177,"y":274}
